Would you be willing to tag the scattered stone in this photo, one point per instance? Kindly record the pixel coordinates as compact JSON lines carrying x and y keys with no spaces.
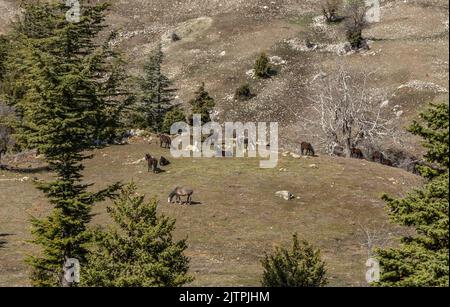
{"x":313,"y":166}
{"x":135,"y":162}
{"x":286,"y":195}
{"x":422,"y":85}
{"x":295,"y":156}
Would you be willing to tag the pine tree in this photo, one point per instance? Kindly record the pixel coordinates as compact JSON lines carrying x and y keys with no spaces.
{"x":140,"y":251}
{"x":60,"y":83}
{"x":300,"y":266}
{"x":156,"y":90}
{"x":423,"y":259}
{"x":435,"y":132}
{"x":175,"y":115}
{"x":202,"y":104}
{"x":262,"y":67}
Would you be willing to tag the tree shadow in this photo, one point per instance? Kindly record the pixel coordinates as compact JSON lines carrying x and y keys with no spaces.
{"x":27,"y":170}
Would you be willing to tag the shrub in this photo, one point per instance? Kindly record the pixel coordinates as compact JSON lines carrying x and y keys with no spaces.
{"x":243,"y":93}
{"x":262,"y":67}
{"x":300,"y":266}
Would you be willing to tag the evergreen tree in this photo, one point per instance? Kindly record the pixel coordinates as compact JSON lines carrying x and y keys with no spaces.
{"x":60,"y":83}
{"x":202,"y":104}
{"x":423,"y":259}
{"x":156,"y":92}
{"x":262,"y":67}
{"x":435,"y":132}
{"x":140,"y":251}
{"x":175,"y":115}
{"x":300,"y":266}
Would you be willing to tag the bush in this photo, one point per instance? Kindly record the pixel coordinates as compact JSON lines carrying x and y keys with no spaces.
{"x":262,"y":67}
{"x":330,"y":9}
{"x":301,"y":266}
{"x":243,"y":93}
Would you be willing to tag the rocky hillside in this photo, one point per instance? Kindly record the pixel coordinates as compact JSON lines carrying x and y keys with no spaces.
{"x":221,"y":39}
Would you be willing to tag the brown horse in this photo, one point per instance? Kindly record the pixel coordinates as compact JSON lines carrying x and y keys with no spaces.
{"x":356,"y":153}
{"x":387,"y":162}
{"x":164,"y":141}
{"x":307,"y":149}
{"x":178,"y":192}
{"x":152,"y":163}
{"x":378,"y":156}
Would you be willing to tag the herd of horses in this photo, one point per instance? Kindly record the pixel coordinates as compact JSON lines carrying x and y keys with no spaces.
{"x":307,"y":149}
{"x":165,"y":141}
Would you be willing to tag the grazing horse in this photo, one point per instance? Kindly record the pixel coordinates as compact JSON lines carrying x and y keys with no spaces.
{"x":378,"y":156}
{"x":164,"y":141}
{"x":387,"y":162}
{"x":163,"y":161}
{"x":356,"y":153}
{"x":307,"y":149}
{"x":178,"y":192}
{"x":2,"y":151}
{"x":152,"y":163}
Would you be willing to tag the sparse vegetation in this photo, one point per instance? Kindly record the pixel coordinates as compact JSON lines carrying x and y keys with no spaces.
{"x":299,"y":266}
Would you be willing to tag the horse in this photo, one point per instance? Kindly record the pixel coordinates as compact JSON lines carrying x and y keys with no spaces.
{"x":2,"y":152}
{"x":152,"y":163}
{"x":387,"y":162}
{"x":163,"y":161}
{"x":378,"y":156}
{"x":178,"y":192}
{"x":307,"y":149}
{"x":356,"y":153}
{"x":164,"y":141}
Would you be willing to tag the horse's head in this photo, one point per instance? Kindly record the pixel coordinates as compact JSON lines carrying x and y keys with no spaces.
{"x":148,"y":157}
{"x":172,"y":195}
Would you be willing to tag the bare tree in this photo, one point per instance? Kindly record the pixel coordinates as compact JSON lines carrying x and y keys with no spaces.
{"x":348,"y":113}
{"x":376,"y":236}
{"x":330,"y":9}
{"x":355,"y":12}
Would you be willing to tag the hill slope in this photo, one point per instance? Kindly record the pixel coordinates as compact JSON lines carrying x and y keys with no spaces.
{"x":237,"y":217}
